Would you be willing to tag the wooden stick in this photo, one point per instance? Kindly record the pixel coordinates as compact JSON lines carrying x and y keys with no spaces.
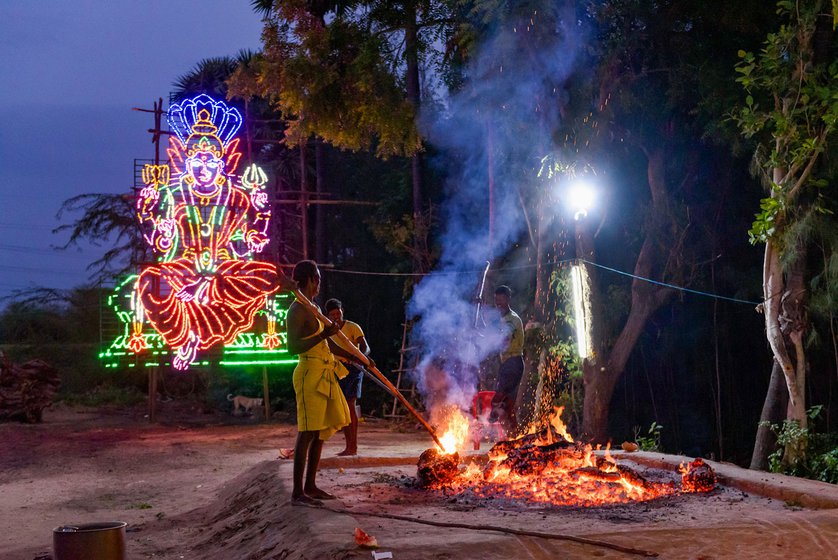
{"x":480,"y":294}
{"x":366,"y":361}
{"x":509,"y":530}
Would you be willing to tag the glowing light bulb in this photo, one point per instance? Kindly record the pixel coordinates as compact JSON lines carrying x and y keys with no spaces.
{"x":581,"y":197}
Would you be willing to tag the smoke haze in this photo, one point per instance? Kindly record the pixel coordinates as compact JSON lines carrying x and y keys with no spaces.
{"x":510,"y":104}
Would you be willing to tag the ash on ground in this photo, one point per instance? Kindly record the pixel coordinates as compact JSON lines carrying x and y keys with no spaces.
{"x":396,"y":490}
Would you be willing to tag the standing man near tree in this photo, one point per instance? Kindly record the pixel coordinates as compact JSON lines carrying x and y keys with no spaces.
{"x":511,"y":361}
{"x":321,"y":407}
{"x":351,"y":384}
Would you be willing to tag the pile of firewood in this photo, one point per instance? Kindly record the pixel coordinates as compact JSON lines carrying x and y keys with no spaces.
{"x":26,"y":389}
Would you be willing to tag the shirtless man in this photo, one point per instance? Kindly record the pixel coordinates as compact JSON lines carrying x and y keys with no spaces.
{"x":321,"y":406}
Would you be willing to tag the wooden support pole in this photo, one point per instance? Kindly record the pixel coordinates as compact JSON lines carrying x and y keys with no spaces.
{"x":152,"y":394}
{"x":266,"y":394}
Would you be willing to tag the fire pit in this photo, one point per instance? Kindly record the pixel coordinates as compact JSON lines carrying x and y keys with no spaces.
{"x":382,"y":495}
{"x":391,"y":494}
{"x":546,"y":466}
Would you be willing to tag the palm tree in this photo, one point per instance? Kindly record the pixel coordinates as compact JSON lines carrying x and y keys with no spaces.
{"x":210,"y":76}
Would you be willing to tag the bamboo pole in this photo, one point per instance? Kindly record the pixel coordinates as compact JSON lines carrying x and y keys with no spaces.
{"x":365,"y":360}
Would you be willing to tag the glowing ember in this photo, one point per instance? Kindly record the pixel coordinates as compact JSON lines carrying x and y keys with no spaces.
{"x":697,"y":476}
{"x":547,"y":467}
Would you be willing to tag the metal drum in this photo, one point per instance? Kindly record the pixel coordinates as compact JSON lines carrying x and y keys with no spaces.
{"x":102,"y":541}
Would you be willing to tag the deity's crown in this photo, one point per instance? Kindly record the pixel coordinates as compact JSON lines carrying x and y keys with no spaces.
{"x":204,"y":117}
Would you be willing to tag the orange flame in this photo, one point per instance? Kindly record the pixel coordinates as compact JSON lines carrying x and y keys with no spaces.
{"x":558,"y":425}
{"x":546,"y":466}
{"x":455,"y":433}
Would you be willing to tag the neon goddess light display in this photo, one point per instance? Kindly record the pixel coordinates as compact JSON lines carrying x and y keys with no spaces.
{"x":206,"y":225}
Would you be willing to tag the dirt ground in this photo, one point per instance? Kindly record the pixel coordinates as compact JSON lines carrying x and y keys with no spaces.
{"x":208,"y":487}
{"x":84,"y":465}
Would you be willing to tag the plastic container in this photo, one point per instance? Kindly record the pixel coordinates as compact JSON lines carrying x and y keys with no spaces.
{"x":86,"y":541}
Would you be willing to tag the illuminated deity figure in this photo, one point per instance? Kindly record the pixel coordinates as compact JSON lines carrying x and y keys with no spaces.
{"x":205,"y":225}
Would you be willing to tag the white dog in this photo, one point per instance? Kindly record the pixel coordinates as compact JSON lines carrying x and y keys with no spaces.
{"x":245,"y":404}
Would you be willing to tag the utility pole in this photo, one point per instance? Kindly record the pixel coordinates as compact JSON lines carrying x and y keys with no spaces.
{"x":156,"y":133}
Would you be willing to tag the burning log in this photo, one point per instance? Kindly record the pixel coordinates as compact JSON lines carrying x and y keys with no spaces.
{"x":697,"y":476}
{"x":621,"y":475}
{"x":593,"y":473}
{"x":545,"y":466}
{"x":26,"y":389}
{"x":435,"y":467}
{"x":533,"y":459}
{"x":527,"y":455}
{"x":544,"y":437}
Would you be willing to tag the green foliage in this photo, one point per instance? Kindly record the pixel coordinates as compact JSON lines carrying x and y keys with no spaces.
{"x":652,"y":440}
{"x":790,"y":111}
{"x":106,"y":395}
{"x":59,"y":327}
{"x":821,"y":459}
{"x":765,"y":223}
{"x":560,"y":334}
{"x":335,"y":81}
{"x":824,"y":465}
{"x":210,"y":76}
{"x":562,"y":364}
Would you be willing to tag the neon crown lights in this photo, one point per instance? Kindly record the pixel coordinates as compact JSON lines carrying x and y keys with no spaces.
{"x":205,"y":224}
{"x":183,"y":116}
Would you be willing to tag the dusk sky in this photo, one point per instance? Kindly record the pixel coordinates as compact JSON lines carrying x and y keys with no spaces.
{"x":72,"y":71}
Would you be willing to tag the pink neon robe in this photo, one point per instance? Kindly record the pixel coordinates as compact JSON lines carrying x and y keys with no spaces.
{"x":236,"y":289}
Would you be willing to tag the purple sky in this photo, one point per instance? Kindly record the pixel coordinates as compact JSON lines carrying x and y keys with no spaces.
{"x":72,"y":71}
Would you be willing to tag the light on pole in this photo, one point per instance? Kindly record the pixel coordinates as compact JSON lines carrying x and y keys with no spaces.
{"x":580,"y":198}
{"x":580,"y":310}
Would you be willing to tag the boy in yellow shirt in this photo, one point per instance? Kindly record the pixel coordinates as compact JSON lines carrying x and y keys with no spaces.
{"x":351,"y":384}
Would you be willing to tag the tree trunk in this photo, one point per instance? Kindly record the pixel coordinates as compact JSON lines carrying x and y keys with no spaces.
{"x":785,"y":328}
{"x":601,"y":373}
{"x":599,"y":388}
{"x":411,"y":54}
{"x":319,"y":210}
{"x":773,"y":412}
{"x":603,"y":369}
{"x":542,"y":269}
{"x":304,"y":197}
{"x":794,"y":322}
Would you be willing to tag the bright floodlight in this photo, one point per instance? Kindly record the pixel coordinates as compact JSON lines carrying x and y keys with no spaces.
{"x":581,"y":198}
{"x":583,"y":339}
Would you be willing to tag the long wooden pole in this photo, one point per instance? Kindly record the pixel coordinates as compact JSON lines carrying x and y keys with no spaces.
{"x":365,"y":360}
{"x":266,"y":394}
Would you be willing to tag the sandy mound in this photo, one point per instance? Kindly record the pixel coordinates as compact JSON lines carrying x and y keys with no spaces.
{"x":253,"y":519}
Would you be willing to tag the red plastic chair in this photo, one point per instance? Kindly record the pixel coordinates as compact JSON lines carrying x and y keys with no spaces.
{"x":481,"y":407}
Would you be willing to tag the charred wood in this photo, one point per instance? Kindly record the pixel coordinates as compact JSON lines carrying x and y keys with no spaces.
{"x":435,"y":468}
{"x":697,"y":476}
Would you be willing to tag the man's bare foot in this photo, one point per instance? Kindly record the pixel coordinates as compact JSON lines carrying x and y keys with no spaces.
{"x":303,"y":500}
{"x":348,"y":453}
{"x":319,"y":494}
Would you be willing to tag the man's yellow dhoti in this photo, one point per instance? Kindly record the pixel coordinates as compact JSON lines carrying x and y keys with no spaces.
{"x":321,"y":406}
